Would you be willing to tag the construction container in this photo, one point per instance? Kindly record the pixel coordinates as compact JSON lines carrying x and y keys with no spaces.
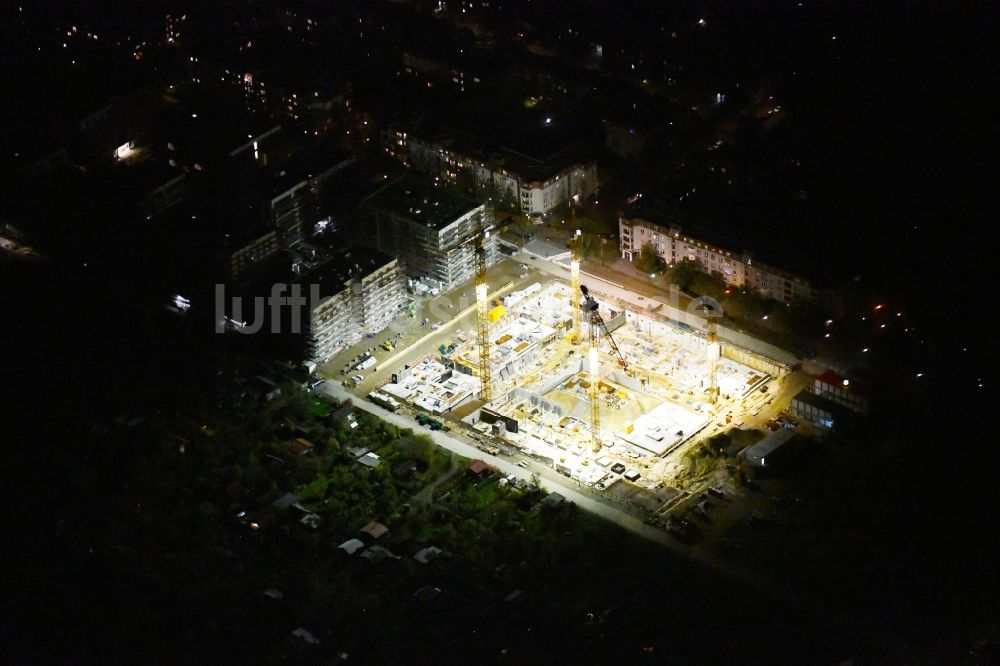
{"x":497,"y":313}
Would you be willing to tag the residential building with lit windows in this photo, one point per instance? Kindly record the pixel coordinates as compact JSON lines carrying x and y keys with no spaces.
{"x":251,"y":251}
{"x":825,"y":415}
{"x":326,"y":304}
{"x":738,"y":268}
{"x":432,"y":231}
{"x":842,"y":391}
{"x":534,"y":185}
{"x":298,"y":188}
{"x":356,"y":293}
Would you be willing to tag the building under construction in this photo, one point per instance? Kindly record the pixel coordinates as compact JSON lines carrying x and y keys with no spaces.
{"x":617,"y":386}
{"x":432,"y":231}
{"x":358,"y":292}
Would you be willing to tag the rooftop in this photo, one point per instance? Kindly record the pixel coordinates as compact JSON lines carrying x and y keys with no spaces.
{"x":421,"y":202}
{"x":479,"y":467}
{"x":354,"y":262}
{"x":308,"y":162}
{"x":756,"y":454}
{"x":809,"y":398}
{"x":834,"y":379}
{"x":375,"y":529}
{"x":332,"y":276}
{"x":141,"y":177}
{"x":553,"y":499}
{"x":557,"y":152}
{"x":204,"y":127}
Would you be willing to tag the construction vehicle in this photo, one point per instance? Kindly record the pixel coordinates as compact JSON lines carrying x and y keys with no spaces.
{"x":425,"y":420}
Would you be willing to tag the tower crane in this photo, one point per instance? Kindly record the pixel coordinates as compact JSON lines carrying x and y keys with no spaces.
{"x":596,"y":320}
{"x":576,"y":335}
{"x":482,"y":319}
{"x":479,"y":238}
{"x":596,"y":324}
{"x":714,"y":351}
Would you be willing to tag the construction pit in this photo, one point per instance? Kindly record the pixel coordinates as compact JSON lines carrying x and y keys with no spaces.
{"x":654,"y":398}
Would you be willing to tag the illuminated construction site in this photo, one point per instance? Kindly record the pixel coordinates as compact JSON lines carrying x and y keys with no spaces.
{"x":649,"y":385}
{"x":595,"y":388}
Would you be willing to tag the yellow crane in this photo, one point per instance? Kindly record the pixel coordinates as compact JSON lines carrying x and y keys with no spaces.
{"x":482,"y":318}
{"x":480,"y":237}
{"x":576,"y":335}
{"x":714,"y":352}
{"x":595,"y":325}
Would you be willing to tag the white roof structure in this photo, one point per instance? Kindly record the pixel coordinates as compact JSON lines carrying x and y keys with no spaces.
{"x":756,"y":455}
{"x":351,"y":546}
{"x":427,"y":554}
{"x":663,"y":427}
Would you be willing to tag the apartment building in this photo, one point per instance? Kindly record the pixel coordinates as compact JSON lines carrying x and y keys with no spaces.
{"x":823,"y":413}
{"x":535,"y":185}
{"x":298,"y":189}
{"x":432,"y":231}
{"x":252,"y":250}
{"x":636,"y":230}
{"x":356,"y":293}
{"x":276,"y":207}
{"x":842,"y":391}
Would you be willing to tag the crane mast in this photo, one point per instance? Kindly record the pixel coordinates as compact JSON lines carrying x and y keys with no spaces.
{"x":576,"y":335}
{"x":713,"y":362}
{"x":594,"y":394}
{"x":596,"y":324}
{"x":482,"y":319}
{"x":479,"y":237}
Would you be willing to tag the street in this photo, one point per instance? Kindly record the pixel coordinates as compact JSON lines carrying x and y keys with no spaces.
{"x":556,"y":483}
{"x":454,"y":310}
